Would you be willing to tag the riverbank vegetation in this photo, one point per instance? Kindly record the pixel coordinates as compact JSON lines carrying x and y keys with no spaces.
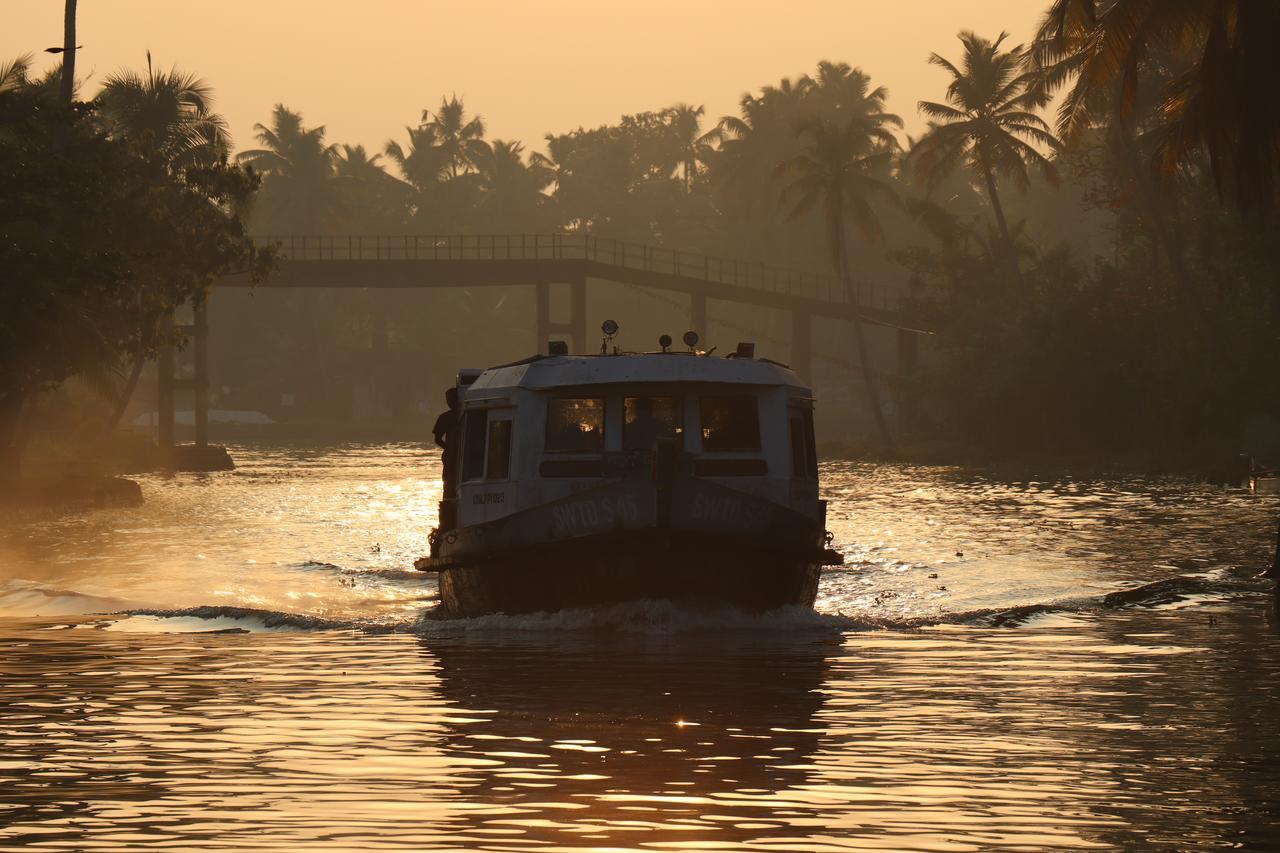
{"x":1088,"y":226}
{"x":113,"y":213}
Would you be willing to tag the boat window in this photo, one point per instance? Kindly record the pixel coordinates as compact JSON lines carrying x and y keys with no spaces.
{"x":475,"y":424}
{"x":730,"y":423}
{"x":575,"y":425}
{"x":499,"y":465}
{"x":647,"y":419}
{"x":804,"y":457}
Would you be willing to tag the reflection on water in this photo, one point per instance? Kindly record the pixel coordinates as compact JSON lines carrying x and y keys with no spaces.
{"x":304,"y":704}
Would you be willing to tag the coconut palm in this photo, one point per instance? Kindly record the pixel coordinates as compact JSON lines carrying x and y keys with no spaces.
{"x":353,"y":162}
{"x":753,"y":143}
{"x":988,"y":123}
{"x":166,"y":113}
{"x":424,"y":162}
{"x":1219,"y":103}
{"x":462,"y":138}
{"x":841,"y":171}
{"x":841,"y":93}
{"x":289,"y":148}
{"x":511,"y":190}
{"x":298,"y":166}
{"x":692,"y":147}
{"x":15,"y":73}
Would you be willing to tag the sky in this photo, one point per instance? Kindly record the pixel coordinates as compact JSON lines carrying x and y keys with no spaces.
{"x":367,"y":69}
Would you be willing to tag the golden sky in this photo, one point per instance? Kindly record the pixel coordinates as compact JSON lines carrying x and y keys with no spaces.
{"x":366,"y":68}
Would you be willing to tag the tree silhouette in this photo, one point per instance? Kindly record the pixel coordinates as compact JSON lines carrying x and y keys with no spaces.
{"x":988,"y":122}
{"x":168,"y":113}
{"x":1219,"y":102}
{"x":839,"y":171}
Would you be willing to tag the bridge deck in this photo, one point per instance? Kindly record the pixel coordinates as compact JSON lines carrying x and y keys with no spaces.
{"x":472,"y":260}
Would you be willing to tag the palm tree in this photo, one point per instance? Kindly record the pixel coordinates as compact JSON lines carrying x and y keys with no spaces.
{"x":843,"y":94}
{"x":511,"y":190}
{"x":290,"y":148}
{"x":839,"y":171}
{"x":988,"y":122}
{"x":298,"y":166}
{"x":353,"y":161}
{"x":15,"y":73}
{"x":691,"y":146}
{"x":166,"y":113}
{"x":425,"y":162}
{"x":461,"y":138}
{"x":1219,"y":103}
{"x":753,"y":143}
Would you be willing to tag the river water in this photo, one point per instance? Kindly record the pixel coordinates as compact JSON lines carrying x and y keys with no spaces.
{"x":248,"y":661}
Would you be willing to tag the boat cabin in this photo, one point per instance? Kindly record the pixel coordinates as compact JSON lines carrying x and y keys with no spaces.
{"x":551,"y":426}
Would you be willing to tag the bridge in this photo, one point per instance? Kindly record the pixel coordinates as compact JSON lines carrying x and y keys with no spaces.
{"x":540,"y":260}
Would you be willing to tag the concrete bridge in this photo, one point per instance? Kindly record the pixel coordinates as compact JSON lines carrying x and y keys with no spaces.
{"x":540,"y":260}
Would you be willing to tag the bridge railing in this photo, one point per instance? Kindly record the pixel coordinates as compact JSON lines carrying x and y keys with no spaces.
{"x":526,"y":247}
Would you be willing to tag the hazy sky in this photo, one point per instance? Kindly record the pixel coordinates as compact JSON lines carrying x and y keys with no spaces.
{"x":365,"y":69}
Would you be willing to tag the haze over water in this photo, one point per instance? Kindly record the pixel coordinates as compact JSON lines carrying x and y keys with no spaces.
{"x":269,"y":676}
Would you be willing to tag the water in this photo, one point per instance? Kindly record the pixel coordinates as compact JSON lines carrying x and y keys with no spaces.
{"x":245,"y":662}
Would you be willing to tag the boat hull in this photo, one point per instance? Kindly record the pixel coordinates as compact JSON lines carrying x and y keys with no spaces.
{"x":657,"y":566}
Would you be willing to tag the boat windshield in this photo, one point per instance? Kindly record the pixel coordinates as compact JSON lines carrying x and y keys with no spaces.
{"x":575,"y":425}
{"x":730,"y":423}
{"x":647,"y":419}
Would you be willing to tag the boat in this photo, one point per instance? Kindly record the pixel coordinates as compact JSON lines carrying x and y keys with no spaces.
{"x":619,"y":476}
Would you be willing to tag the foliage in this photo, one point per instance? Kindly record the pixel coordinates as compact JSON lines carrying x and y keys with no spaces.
{"x":989,"y":122}
{"x":98,"y":243}
{"x":1217,"y":103}
{"x":168,"y":115}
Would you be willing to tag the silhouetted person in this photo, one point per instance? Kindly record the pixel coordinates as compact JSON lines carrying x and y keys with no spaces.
{"x":646,"y":427}
{"x":446,"y":435}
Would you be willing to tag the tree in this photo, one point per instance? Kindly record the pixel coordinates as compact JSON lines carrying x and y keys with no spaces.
{"x":512,"y":196}
{"x":366,"y":197}
{"x":98,"y":243}
{"x":169,"y":114}
{"x":839,"y":172}
{"x":425,"y":162}
{"x":1217,"y":103}
{"x":460,"y":137}
{"x":691,"y":146}
{"x":297,"y":166}
{"x":988,"y":122}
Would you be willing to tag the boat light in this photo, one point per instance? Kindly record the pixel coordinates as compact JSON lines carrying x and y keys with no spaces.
{"x":691,"y":339}
{"x":609,"y":327}
{"x":664,"y":342}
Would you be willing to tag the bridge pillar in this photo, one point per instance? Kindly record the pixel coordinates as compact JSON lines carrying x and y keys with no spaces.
{"x":802,"y":343}
{"x":576,"y":328}
{"x":578,"y":313}
{"x":542,"y":296}
{"x":698,"y":314}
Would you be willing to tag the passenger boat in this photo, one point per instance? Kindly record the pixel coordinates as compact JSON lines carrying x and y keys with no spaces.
{"x":588,"y":479}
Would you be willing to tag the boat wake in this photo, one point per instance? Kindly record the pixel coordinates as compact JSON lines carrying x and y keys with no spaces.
{"x":654,"y":617}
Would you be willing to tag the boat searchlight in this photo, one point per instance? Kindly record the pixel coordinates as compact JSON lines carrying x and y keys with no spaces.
{"x":608,"y":328}
{"x":690,"y":339}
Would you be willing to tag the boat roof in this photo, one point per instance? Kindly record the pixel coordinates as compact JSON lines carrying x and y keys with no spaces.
{"x":543,"y":373}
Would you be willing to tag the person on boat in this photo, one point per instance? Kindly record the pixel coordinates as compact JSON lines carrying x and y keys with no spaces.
{"x":646,"y":427}
{"x":446,"y":436}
